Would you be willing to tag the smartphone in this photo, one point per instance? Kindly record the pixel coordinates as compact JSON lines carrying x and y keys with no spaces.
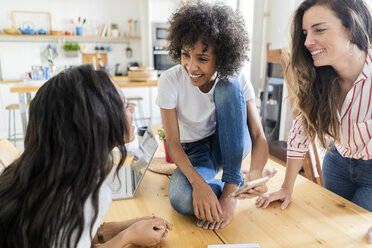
{"x":249,"y":185}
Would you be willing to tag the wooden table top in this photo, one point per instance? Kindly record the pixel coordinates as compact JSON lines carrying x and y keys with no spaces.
{"x":33,"y":86}
{"x":315,"y":218}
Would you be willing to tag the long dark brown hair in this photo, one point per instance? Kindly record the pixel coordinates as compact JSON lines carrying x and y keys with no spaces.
{"x":75,"y":120}
{"x":314,"y":90}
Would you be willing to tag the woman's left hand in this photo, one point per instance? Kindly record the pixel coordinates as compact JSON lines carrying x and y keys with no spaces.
{"x":259,"y":189}
{"x":369,"y":235}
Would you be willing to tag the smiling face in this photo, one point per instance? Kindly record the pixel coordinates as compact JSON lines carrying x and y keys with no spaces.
{"x":200,"y":63}
{"x":326,"y":38}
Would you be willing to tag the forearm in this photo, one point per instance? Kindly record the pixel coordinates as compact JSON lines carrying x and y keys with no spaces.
{"x":111,"y":229}
{"x":119,"y":241}
{"x":180,"y":158}
{"x":292,"y":168}
{"x":260,"y":154}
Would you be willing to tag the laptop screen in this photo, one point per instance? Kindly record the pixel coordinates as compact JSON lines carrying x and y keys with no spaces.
{"x":144,"y":154}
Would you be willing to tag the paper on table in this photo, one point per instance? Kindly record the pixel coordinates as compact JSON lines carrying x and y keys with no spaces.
{"x":251,"y":245}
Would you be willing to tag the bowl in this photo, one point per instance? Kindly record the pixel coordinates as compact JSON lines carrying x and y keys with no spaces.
{"x":56,"y":32}
{"x":10,"y":30}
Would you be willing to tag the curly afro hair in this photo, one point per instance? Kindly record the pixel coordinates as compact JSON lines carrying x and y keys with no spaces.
{"x":216,"y":25}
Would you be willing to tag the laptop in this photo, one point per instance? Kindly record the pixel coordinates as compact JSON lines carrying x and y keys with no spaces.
{"x":132,"y":175}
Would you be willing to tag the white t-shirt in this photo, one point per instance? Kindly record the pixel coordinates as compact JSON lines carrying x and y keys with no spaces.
{"x":103,"y":204}
{"x":195,"y":109}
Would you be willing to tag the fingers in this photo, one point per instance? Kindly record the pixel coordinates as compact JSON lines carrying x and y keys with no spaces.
{"x":215,"y":214}
{"x":196,"y":211}
{"x":208,"y":212}
{"x":219,"y":208}
{"x":285,"y":203}
{"x":264,"y":200}
{"x":369,"y":236}
{"x":259,"y":189}
{"x":269,"y":172}
{"x":168,"y":225}
{"x":165,"y":234}
{"x":159,"y":224}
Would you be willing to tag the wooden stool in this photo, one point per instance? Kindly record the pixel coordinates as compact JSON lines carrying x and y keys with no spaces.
{"x":138,"y":114}
{"x":12,"y":108}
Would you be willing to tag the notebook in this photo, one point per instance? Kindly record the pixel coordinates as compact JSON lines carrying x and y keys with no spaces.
{"x":131,"y":175}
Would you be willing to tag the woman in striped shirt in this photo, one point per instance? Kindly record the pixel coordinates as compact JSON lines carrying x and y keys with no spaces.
{"x":331,"y":64}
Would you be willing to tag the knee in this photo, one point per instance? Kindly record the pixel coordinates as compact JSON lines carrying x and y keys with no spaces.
{"x":229,"y":86}
{"x":228,"y":91}
{"x":180,"y":194}
{"x":181,"y":202}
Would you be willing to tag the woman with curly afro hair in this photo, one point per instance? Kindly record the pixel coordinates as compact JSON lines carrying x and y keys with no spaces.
{"x":208,"y":113}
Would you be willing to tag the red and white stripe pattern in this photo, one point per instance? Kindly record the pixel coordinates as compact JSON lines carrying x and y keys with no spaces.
{"x":355,"y":119}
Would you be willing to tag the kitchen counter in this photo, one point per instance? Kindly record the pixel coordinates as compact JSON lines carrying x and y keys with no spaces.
{"x":119,"y":79}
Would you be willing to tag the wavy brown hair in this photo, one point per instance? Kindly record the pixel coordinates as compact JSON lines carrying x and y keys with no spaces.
{"x":75,"y":120}
{"x":216,"y":25}
{"x":314,"y":90}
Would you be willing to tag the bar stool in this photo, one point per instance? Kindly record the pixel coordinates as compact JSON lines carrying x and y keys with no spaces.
{"x":11,"y":110}
{"x":138,"y":115}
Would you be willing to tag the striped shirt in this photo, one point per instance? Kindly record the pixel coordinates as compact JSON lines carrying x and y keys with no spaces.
{"x":355,"y":118}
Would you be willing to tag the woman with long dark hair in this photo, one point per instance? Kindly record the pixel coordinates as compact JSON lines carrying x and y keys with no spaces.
{"x":54,"y":195}
{"x":330,"y":67}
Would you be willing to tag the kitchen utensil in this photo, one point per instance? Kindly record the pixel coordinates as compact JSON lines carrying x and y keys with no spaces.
{"x":10,"y":30}
{"x":142,"y":74}
{"x":56,"y":32}
{"x":27,"y":30}
{"x":118,"y":70}
{"x":41,"y":31}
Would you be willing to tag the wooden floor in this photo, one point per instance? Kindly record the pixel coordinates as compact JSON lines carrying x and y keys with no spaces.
{"x":315,"y":218}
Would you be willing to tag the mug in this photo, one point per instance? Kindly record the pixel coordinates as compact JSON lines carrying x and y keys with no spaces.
{"x":79,"y":30}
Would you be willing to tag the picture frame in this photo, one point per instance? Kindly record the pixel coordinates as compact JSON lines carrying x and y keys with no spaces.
{"x":33,"y":19}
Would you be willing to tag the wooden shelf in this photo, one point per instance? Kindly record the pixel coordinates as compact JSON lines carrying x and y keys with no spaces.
{"x":122,"y":81}
{"x":85,"y":38}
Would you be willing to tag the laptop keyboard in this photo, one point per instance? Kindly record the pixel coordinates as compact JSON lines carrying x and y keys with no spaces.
{"x":126,"y":186}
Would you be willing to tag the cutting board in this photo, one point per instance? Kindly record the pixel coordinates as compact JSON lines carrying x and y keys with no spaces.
{"x":93,"y":58}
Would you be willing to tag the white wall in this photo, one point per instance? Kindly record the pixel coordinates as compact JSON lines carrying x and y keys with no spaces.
{"x":22,"y":55}
{"x":271,"y":25}
{"x":96,"y":13}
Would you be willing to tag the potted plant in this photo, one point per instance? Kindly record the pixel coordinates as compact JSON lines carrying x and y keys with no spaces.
{"x":129,"y":52}
{"x":114,"y":30}
{"x":162,"y":137}
{"x":71,"y":49}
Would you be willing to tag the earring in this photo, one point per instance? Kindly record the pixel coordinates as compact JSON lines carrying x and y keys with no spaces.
{"x":348,"y":46}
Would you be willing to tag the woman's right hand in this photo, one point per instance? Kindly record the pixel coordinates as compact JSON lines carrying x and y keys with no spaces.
{"x":205,"y":203}
{"x":283,"y":195}
{"x":369,"y":235}
{"x":148,"y":232}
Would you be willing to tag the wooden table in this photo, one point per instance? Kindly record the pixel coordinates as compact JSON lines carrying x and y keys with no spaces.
{"x":315,"y":218}
{"x":24,"y":90}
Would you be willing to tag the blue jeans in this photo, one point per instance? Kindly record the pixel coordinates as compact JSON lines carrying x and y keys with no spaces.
{"x":349,"y":178}
{"x":225,"y":149}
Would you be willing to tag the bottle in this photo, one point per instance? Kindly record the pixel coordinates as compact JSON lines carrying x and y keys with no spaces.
{"x":46,"y":73}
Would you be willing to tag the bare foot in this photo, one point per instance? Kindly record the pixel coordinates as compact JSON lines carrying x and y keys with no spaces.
{"x":206,"y":224}
{"x":228,"y":205}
